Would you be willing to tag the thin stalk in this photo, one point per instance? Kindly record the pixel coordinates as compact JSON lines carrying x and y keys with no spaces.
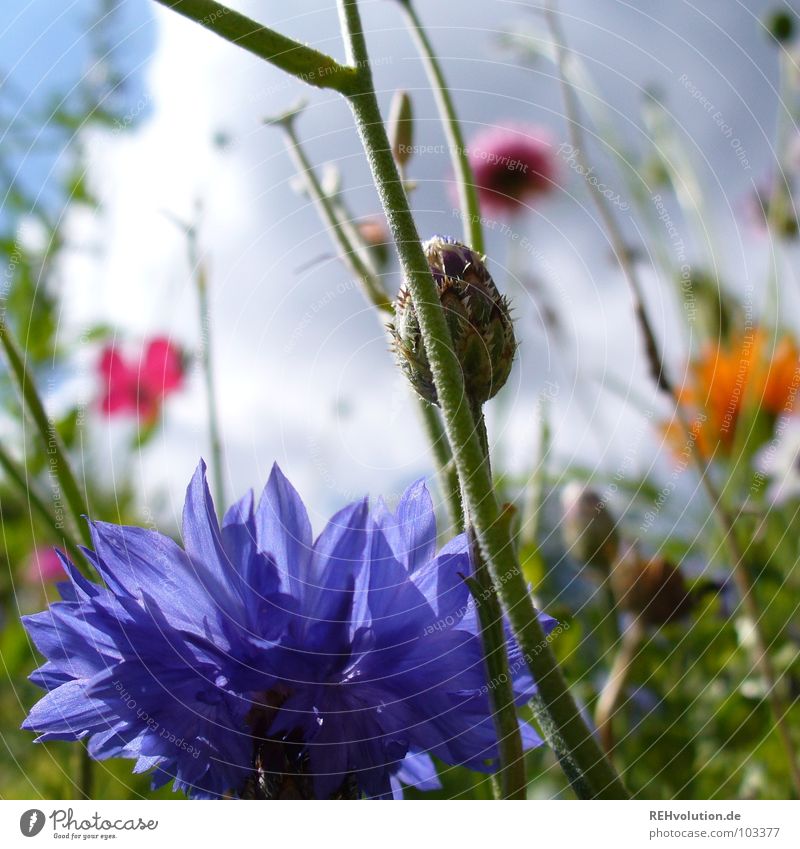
{"x":761,"y":658}
{"x":556,"y":705}
{"x":17,"y":476}
{"x":762,"y":661}
{"x":206,"y":357}
{"x":375,"y":294}
{"x":467,"y":190}
{"x":556,"y":708}
{"x":445,"y":467}
{"x":299,"y":60}
{"x":615,"y":237}
{"x":45,"y":427}
{"x":348,"y":252}
{"x":59,"y":466}
{"x":84,"y":767}
{"x":609,"y":697}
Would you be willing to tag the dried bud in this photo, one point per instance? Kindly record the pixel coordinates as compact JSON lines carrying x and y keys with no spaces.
{"x":401,"y":127}
{"x":478,"y":318}
{"x":588,"y":528}
{"x":653,"y":589}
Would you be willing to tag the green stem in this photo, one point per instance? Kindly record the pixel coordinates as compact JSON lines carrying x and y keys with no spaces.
{"x":617,"y":678}
{"x":494,"y":539}
{"x":761,"y":659}
{"x":59,"y":466}
{"x":45,"y":426}
{"x":467,"y":190}
{"x":299,"y":60}
{"x":512,"y":781}
{"x":85,"y":770}
{"x":348,"y":252}
{"x":18,"y":477}
{"x":446,"y":473}
{"x":557,"y":709}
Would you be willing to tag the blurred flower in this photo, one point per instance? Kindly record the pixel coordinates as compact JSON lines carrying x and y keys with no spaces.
{"x":256,"y":661}
{"x":745,"y":368}
{"x":775,"y":209}
{"x":512,"y":164}
{"x":589,"y":531}
{"x":478,"y":317}
{"x":44,"y":566}
{"x":652,"y":589}
{"x":139,"y":388}
{"x":780,"y":461}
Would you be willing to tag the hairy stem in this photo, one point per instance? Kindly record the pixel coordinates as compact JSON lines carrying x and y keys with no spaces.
{"x":494,"y":537}
{"x":557,"y":709}
{"x":374,"y":292}
{"x":299,"y":60}
{"x":511,"y":779}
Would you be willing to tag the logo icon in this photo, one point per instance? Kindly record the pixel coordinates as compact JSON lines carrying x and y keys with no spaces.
{"x":31,"y":822}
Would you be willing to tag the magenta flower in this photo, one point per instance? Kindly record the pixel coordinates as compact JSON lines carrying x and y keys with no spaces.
{"x":139,"y":387}
{"x":512,"y":163}
{"x":44,"y":566}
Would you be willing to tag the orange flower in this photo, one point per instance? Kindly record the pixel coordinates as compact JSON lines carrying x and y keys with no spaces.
{"x":723,"y":378}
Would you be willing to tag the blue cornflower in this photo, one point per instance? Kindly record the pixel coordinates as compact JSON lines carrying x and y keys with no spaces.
{"x":256,"y":661}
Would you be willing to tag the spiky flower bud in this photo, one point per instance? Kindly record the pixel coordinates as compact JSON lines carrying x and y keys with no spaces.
{"x":589,"y":530}
{"x":477,"y":315}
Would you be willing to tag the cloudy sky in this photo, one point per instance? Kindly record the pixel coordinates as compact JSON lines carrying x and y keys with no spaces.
{"x":304,"y":374}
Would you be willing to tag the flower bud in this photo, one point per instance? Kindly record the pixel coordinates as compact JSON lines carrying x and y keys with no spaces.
{"x":477,"y":315}
{"x":401,"y":127}
{"x":653,"y":590}
{"x":589,"y":530}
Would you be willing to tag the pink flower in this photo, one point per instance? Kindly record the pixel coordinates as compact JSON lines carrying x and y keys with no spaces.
{"x":44,"y":566}
{"x":139,"y":388}
{"x":512,"y":163}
